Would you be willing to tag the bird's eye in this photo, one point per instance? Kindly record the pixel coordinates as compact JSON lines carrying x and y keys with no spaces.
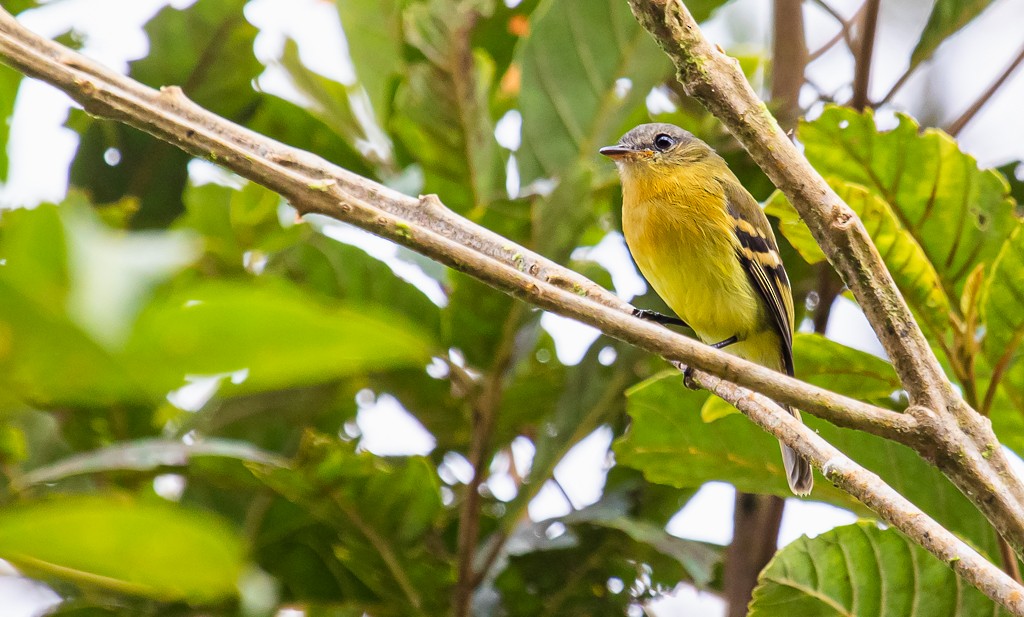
{"x":663,"y":142}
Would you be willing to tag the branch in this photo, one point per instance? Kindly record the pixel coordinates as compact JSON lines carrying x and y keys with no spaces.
{"x":873,"y":492}
{"x":958,"y":124}
{"x":425,"y":225}
{"x":961,"y":442}
{"x":314,"y":186}
{"x":865,"y":48}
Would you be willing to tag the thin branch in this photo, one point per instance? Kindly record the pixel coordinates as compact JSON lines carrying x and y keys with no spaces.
{"x":789,"y":58}
{"x":865,"y":49}
{"x":485,"y":416}
{"x":958,"y":124}
{"x":961,"y":442}
{"x":425,"y":225}
{"x":873,"y":492}
{"x":899,"y":84}
{"x":845,"y":30}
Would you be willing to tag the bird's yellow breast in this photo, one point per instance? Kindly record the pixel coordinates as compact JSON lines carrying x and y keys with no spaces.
{"x":681,"y":236}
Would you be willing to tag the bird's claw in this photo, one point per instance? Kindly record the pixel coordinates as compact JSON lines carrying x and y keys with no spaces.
{"x":687,"y":375}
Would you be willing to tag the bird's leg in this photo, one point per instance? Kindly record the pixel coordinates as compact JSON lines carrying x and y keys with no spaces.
{"x":665,"y":320}
{"x":688,"y":370}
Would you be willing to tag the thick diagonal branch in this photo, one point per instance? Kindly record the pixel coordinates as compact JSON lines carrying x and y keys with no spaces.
{"x":314,"y":186}
{"x":873,"y":492}
{"x":962,"y":442}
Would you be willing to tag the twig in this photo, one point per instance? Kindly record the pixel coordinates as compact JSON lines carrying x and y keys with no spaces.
{"x":873,"y":492}
{"x":425,"y":225}
{"x":865,"y":49}
{"x":844,"y":33}
{"x":958,"y":124}
{"x":959,"y":441}
{"x":485,"y":415}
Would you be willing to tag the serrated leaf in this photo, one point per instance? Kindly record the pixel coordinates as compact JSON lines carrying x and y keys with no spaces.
{"x":947,"y":17}
{"x":959,"y":214}
{"x":863,"y":570}
{"x":1003,"y":311}
{"x":669,"y":442}
{"x":155,"y":550}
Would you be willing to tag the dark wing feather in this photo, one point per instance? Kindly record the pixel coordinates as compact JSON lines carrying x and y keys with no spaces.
{"x":759,"y":255}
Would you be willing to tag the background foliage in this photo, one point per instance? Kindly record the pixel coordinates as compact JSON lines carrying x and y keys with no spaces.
{"x":182,"y":362}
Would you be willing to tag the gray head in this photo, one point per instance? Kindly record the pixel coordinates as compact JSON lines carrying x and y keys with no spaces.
{"x":658,"y":143}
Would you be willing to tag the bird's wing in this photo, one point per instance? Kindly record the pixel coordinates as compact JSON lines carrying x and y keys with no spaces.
{"x":759,"y":255}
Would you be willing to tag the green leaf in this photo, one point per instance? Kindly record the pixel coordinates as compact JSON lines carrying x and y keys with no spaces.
{"x":280,"y":337}
{"x":793,"y":227}
{"x":576,"y":52}
{"x":145,"y":455}
{"x":863,"y":570}
{"x":205,"y":49}
{"x":442,"y":107}
{"x":1003,"y":311}
{"x":828,"y":364}
{"x":155,"y":550}
{"x":10,"y":81}
{"x":947,"y":17}
{"x":382,"y":512}
{"x":374,"y":34}
{"x":669,"y":442}
{"x":959,"y":214}
{"x":308,"y":130}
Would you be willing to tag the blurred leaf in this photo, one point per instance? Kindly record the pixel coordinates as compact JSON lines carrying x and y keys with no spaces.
{"x":585,"y":65}
{"x":373,"y":31}
{"x":110,"y":543}
{"x":10,"y":81}
{"x":668,"y":441}
{"x":559,"y":218}
{"x":947,"y":17}
{"x":441,"y":111}
{"x":959,"y":214}
{"x":205,"y":49}
{"x":48,"y":360}
{"x":383,"y":510}
{"x":34,"y":254}
{"x":145,"y":455}
{"x":278,"y":336}
{"x":288,"y":123}
{"x":342,"y":271}
{"x":861,"y":569}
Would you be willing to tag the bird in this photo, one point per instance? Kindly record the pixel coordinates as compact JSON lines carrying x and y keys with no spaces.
{"x":704,"y":244}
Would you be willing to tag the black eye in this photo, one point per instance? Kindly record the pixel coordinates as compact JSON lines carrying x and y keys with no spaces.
{"x":663,"y":142}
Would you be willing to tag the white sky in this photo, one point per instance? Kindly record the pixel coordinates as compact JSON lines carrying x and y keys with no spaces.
{"x":41,"y":152}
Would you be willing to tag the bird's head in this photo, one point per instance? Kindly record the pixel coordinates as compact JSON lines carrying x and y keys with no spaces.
{"x":656,"y":145}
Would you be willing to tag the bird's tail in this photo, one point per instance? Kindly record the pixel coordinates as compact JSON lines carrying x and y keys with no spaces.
{"x":798,"y":470}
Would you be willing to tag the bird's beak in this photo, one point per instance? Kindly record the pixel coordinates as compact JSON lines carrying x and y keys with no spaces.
{"x":617,"y":151}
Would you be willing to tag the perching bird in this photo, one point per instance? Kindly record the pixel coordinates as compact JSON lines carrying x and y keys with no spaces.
{"x":705,"y":246}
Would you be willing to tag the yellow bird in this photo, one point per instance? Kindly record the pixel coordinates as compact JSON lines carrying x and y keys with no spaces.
{"x":705,"y":246}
